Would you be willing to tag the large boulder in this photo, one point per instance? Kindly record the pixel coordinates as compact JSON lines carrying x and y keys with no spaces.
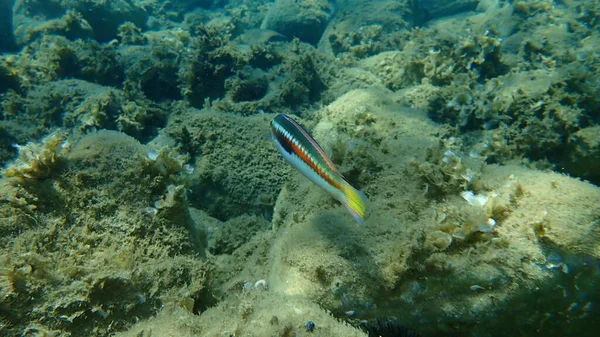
{"x":448,"y":241}
{"x":305,"y":20}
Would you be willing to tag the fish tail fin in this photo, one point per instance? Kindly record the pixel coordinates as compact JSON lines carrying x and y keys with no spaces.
{"x":355,"y":201}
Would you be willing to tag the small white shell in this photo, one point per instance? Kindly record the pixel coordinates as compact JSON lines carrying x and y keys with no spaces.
{"x":491,"y":223}
{"x":151,"y":210}
{"x":152,"y":155}
{"x":189,"y":169}
{"x":473,"y":199}
{"x":260,"y":283}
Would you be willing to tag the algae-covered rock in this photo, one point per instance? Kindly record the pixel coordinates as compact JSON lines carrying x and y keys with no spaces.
{"x":421,"y":259}
{"x":74,"y":19}
{"x":583,"y":159}
{"x":232,"y":76}
{"x":96,"y":252}
{"x":205,"y":230}
{"x":53,"y":20}
{"x":439,"y":8}
{"x":83,"y":106}
{"x":305,"y":20}
{"x":233,"y":233}
{"x":153,"y":68}
{"x":365,"y":28}
{"x":328,"y":257}
{"x":253,"y":312}
{"x":237,"y":170}
{"x":202,"y":74}
{"x":395,"y":69}
{"x":250,"y":85}
{"x":489,"y":75}
{"x":152,"y":61}
{"x":55,"y":57}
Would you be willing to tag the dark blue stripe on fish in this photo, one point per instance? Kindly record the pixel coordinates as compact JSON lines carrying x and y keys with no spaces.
{"x":283,"y":142}
{"x":279,"y":137}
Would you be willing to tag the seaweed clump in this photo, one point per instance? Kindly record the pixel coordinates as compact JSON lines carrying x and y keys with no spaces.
{"x":446,"y":169}
{"x":38,"y":160}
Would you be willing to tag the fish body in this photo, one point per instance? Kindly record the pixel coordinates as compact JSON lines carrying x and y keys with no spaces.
{"x":304,"y":153}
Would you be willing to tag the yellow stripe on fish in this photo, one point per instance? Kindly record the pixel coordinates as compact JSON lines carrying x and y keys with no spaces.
{"x":306,"y":155}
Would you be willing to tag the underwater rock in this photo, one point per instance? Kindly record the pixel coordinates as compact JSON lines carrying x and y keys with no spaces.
{"x":111,"y":260}
{"x":55,"y":57}
{"x":365,"y":28}
{"x":438,"y":240}
{"x":74,"y":19}
{"x":152,"y":60}
{"x":154,"y":72}
{"x":435,"y":9}
{"x":96,"y":235}
{"x":231,"y":180}
{"x":320,"y":246}
{"x":250,"y":85}
{"x":276,"y":80}
{"x":85,"y":106}
{"x":68,"y":23}
{"x":583,"y":158}
{"x":395,"y":70}
{"x":257,"y":37}
{"x":202,"y":74}
{"x":234,"y":232}
{"x":303,"y":84}
{"x":247,"y":313}
{"x":194,"y":3}
{"x":491,"y":268}
{"x":305,"y":20}
{"x":174,"y":10}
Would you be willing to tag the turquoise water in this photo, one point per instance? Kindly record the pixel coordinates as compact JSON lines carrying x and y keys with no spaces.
{"x":142,"y":193}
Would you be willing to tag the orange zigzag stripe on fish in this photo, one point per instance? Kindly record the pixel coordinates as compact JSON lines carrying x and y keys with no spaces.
{"x":304,"y":153}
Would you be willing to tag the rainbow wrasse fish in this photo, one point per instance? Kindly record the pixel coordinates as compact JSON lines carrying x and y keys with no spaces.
{"x":304,"y":153}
